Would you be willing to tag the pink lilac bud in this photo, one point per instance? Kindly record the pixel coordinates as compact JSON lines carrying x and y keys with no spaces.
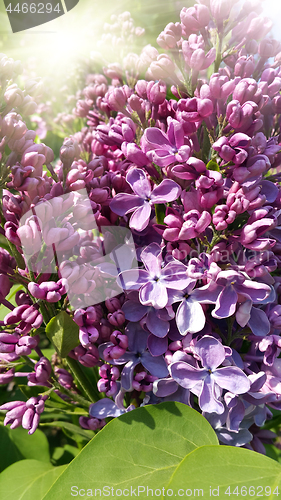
{"x":42,"y":372}
{"x":49,"y":291}
{"x":13,"y":96}
{"x":113,"y":304}
{"x":87,"y":357}
{"x":65,"y":378}
{"x":143,"y":382}
{"x":258,"y":28}
{"x":29,"y":317}
{"x":69,"y":151}
{"x":162,"y":68}
{"x":30,"y":236}
{"x":156,"y":92}
{"x":26,"y":413}
{"x":170,"y":36}
{"x":119,"y":339}
{"x":194,"y":53}
{"x":5,"y":285}
{"x":268,"y":48}
{"x":244,"y":66}
{"x":91,"y":424}
{"x":194,"y":18}
{"x":194,"y":109}
{"x":107,"y":383}
{"x":6,"y":376}
{"x":247,"y":90}
{"x":222,"y":217}
{"x":8,"y":342}
{"x":13,"y":126}
{"x":88,"y":336}
{"x":117,"y":318}
{"x":26,"y":344}
{"x":116,"y":99}
{"x":210,"y":186}
{"x":220,"y":9}
{"x":7,"y":263}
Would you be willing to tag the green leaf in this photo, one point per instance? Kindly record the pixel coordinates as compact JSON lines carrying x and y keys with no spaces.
{"x":227,"y":466}
{"x":212,"y":165}
{"x":34,"y":447}
{"x":12,"y":453}
{"x":144,"y":446}
{"x":63,"y":332}
{"x":28,"y":480}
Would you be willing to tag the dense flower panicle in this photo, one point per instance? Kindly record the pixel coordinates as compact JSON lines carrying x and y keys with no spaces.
{"x":185,"y":151}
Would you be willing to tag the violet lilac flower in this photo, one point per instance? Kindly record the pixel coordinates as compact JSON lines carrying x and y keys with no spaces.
{"x":137,"y":353}
{"x":144,"y":198}
{"x":209,"y":380}
{"x":153,"y":281}
{"x":165,"y":149}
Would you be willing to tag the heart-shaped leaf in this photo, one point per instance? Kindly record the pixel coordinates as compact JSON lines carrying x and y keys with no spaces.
{"x":227,"y":472}
{"x":28,"y":480}
{"x":142,"y":447}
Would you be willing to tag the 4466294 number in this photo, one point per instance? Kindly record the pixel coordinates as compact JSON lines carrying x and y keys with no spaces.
{"x":252,"y":491}
{"x":34,"y":8}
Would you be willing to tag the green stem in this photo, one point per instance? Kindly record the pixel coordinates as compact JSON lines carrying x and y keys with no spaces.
{"x":79,"y":399}
{"x":218,"y":56}
{"x":82,"y":379}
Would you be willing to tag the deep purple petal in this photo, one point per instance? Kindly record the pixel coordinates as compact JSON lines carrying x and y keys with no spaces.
{"x":127,"y":374}
{"x":232,"y":379}
{"x":134,"y":311}
{"x":167,"y":191}
{"x":207,"y":400}
{"x":157,"y":326}
{"x":155,"y":365}
{"x":137,"y":338}
{"x":154,"y":137}
{"x":164,"y":387}
{"x":254,"y":290}
{"x":259,"y":322}
{"x":226,"y":303}
{"x":186,"y":375}
{"x":124,"y":203}
{"x":156,"y":345}
{"x":104,"y":408}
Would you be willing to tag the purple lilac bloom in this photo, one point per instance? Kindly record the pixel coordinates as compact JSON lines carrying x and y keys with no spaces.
{"x":144,"y":198}
{"x":207,"y":382}
{"x":153,"y":281}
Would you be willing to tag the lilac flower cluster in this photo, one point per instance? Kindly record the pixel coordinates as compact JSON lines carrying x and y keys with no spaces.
{"x":191,"y":166}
